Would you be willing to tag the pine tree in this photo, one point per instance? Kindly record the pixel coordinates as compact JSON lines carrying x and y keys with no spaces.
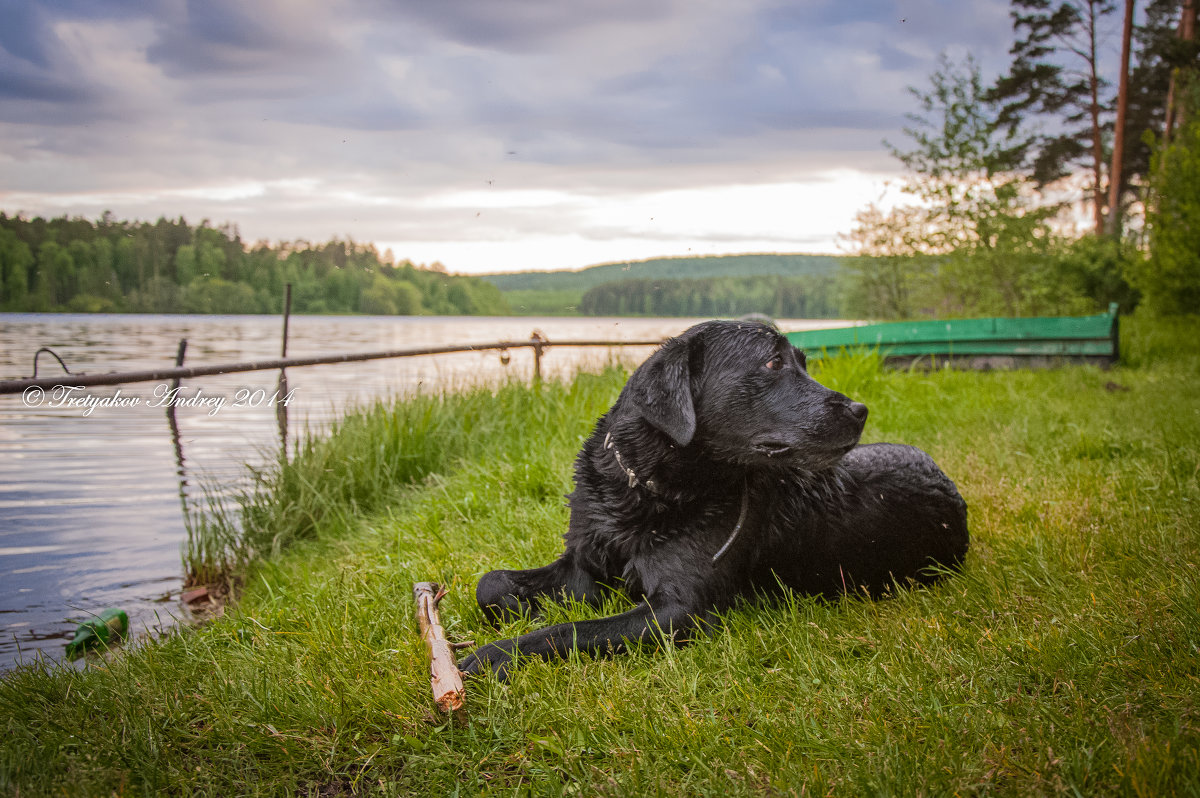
{"x":1056,"y":75}
{"x":1159,"y":52}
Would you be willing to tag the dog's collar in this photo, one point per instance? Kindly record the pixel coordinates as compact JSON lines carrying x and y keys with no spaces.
{"x":738,"y":526}
{"x":634,"y":481}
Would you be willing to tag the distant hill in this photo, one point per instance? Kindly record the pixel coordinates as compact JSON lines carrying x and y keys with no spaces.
{"x":669,"y":269}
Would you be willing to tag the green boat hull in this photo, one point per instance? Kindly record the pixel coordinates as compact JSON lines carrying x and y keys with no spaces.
{"x":975,"y":343}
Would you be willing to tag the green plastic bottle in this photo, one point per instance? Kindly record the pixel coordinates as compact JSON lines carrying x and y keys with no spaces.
{"x":106,"y":628}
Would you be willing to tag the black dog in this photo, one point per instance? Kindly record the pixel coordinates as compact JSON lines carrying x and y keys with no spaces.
{"x":724,"y":471}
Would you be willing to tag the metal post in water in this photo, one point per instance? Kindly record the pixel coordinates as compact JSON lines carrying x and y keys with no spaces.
{"x":281,"y":413}
{"x":179,"y":361}
{"x":173,"y":425}
{"x":287,"y":313}
{"x":281,"y":388}
{"x":538,"y":342}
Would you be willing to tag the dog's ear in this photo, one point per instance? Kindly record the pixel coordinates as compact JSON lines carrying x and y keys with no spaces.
{"x":661,"y":392}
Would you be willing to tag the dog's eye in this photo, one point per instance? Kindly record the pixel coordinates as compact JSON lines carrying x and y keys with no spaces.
{"x":775,"y":363}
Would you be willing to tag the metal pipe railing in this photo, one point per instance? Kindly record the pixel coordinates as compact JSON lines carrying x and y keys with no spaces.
{"x":537,"y":343}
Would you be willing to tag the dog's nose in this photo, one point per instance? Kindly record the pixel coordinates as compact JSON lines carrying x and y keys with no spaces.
{"x":859,"y":411}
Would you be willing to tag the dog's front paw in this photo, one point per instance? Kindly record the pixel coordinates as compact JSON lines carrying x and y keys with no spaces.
{"x":496,"y":657}
{"x":503,"y":611}
{"x":500,"y":598}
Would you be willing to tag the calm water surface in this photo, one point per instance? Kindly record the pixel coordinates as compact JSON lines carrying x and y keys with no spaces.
{"x":92,"y":501}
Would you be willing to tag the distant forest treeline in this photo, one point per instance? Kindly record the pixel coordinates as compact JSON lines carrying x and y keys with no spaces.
{"x":778,"y":297}
{"x":170,"y":266}
{"x":679,"y":268}
{"x":778,"y":284}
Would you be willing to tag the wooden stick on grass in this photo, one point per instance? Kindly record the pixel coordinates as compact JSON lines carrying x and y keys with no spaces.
{"x":445,"y":678}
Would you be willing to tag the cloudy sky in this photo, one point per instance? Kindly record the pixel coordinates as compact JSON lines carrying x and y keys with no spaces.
{"x":489,"y":135}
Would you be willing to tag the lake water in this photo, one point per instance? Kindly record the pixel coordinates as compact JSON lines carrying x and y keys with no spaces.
{"x":92,"y":499}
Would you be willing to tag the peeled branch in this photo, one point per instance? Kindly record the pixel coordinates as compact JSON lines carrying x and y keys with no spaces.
{"x":445,"y":678}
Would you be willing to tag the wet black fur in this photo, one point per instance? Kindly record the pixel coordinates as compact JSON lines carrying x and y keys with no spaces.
{"x":722,"y":417}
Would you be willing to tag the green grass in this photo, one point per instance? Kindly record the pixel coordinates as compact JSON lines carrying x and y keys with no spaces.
{"x":1065,"y":658}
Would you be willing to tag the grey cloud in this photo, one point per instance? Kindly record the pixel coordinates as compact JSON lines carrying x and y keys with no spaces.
{"x":38,"y":79}
{"x":25,"y":34}
{"x":613,"y":75}
{"x":234,"y":36}
{"x":382,"y":100}
{"x":521,"y":25}
{"x":20,"y":84}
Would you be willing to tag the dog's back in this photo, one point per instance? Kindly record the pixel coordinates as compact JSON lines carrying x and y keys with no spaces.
{"x":894,"y":517}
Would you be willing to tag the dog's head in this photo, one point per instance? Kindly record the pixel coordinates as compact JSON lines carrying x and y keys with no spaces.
{"x":741,"y":393}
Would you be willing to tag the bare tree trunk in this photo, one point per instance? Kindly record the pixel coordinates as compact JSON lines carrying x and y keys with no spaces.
{"x":1186,"y":32}
{"x":1097,"y":133}
{"x":1116,"y":174}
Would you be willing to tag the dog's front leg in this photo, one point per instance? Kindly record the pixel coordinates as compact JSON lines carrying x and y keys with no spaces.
{"x":507,"y":594}
{"x":597,"y":637}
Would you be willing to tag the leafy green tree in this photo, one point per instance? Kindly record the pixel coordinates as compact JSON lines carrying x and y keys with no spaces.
{"x":893,"y":275}
{"x":977,"y":241}
{"x":217,"y":295}
{"x":211,"y":261}
{"x":1095,"y":267}
{"x":379,"y":299}
{"x":185,"y":264}
{"x":407,"y":298}
{"x":16,"y":260}
{"x":343,"y":288}
{"x":102,"y":281}
{"x":126,"y":264}
{"x":55,"y":276}
{"x":158,"y":295}
{"x":1169,"y":278}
